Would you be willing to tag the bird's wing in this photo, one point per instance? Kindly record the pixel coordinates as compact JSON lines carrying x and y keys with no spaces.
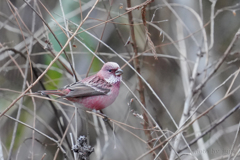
{"x":91,"y":88}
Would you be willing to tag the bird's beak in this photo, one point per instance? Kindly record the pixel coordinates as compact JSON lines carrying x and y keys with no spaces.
{"x":119,"y":72}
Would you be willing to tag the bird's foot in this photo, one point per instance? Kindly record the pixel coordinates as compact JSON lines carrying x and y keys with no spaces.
{"x":105,"y":117}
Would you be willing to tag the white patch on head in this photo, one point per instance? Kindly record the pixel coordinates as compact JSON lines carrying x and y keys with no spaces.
{"x":112,"y":79}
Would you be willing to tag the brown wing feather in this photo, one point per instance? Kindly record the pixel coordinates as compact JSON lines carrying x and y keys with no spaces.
{"x":80,"y":89}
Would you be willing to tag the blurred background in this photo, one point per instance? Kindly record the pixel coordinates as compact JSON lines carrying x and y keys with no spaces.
{"x":180,"y":59}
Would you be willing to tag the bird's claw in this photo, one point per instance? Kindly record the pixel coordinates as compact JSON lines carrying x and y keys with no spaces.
{"x":105,"y":118}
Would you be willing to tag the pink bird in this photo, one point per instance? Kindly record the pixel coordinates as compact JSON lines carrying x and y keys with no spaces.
{"x":95,"y":92}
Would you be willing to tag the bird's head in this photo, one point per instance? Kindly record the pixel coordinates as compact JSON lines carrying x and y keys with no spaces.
{"x":111,"y":72}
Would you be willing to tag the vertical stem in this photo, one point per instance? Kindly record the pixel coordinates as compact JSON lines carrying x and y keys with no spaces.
{"x":137,"y":66}
{"x":1,"y":150}
{"x":189,"y":95}
{"x":26,"y":73}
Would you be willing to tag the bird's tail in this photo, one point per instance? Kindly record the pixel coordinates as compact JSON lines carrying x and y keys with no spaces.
{"x":52,"y":92}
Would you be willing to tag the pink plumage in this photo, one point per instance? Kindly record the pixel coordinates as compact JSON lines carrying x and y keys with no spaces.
{"x":94,"y":92}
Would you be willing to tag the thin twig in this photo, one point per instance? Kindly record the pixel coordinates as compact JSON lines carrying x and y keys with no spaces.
{"x":212,"y":127}
{"x":190,"y":123}
{"x":36,"y":130}
{"x":220,"y":62}
{"x":63,"y":137}
{"x":234,"y":141}
{"x":137,"y":66}
{"x":63,"y":50}
{"x":35,"y":82}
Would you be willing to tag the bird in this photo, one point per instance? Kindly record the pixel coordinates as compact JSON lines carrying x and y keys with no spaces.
{"x":95,"y":92}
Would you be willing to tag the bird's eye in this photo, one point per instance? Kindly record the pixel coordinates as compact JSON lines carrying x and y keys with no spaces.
{"x":109,"y":70}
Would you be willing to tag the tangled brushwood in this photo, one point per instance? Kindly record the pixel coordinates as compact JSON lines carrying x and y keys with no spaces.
{"x":144,"y":79}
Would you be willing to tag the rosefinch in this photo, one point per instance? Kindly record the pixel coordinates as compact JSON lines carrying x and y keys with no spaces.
{"x":94,"y":92}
